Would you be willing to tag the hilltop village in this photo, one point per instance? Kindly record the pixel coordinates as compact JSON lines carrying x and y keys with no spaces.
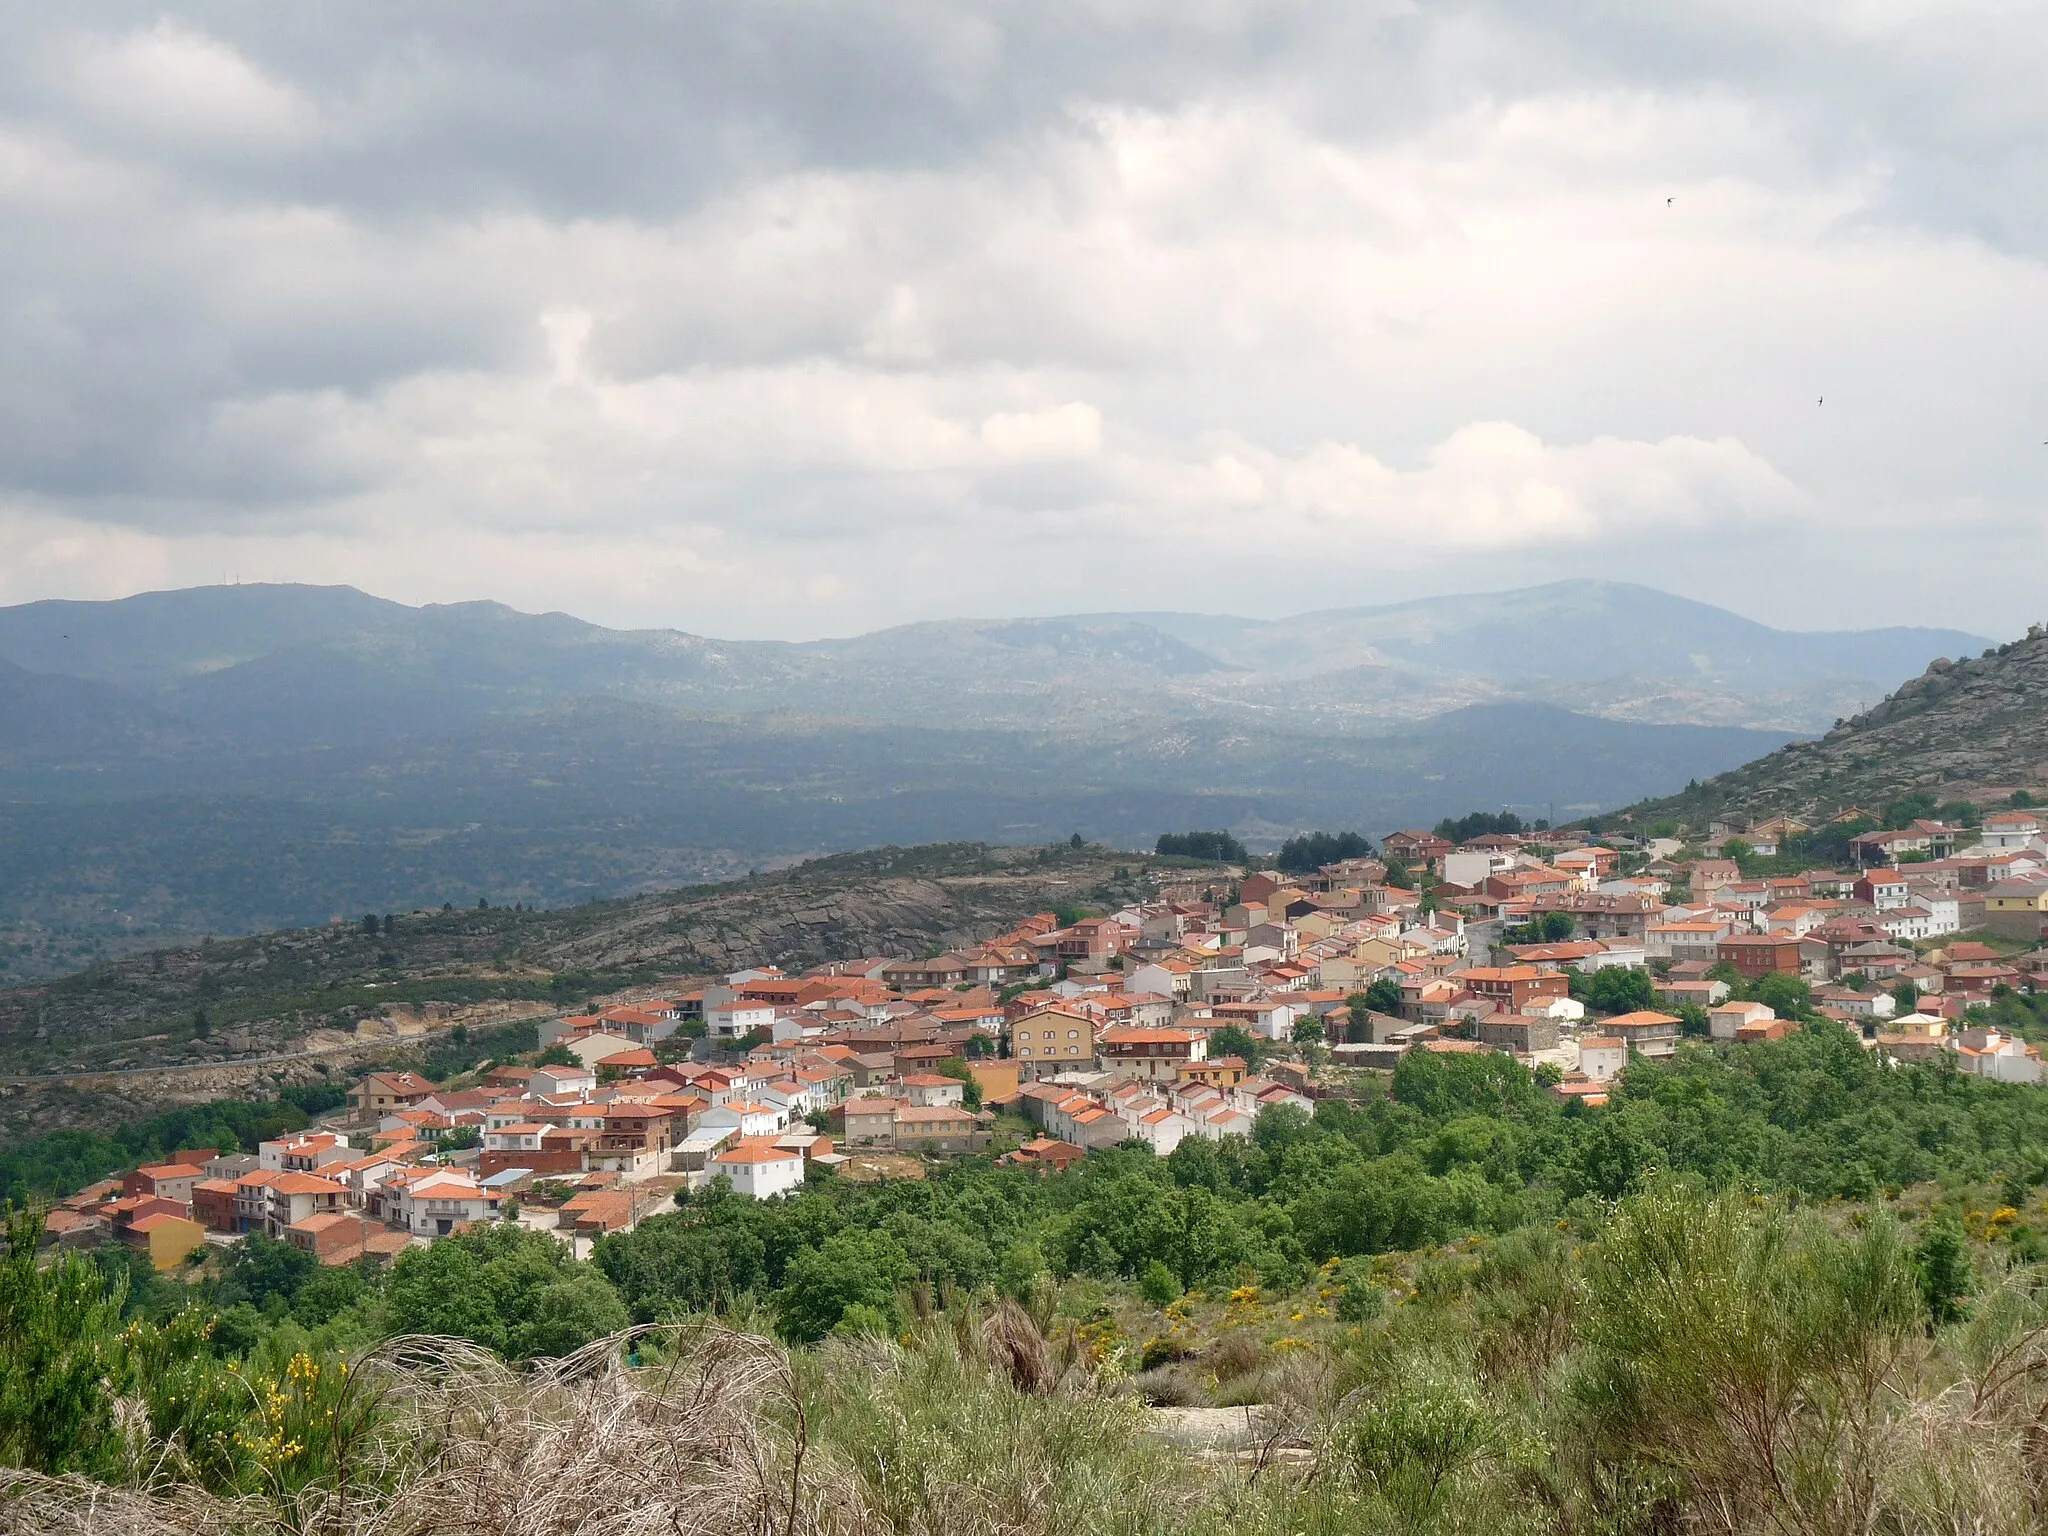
{"x":1188,"y":1014}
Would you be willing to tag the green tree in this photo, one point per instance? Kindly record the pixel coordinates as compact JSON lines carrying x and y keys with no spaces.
{"x":260,"y":1267}
{"x":1308,"y":1029}
{"x":956,"y":1068}
{"x":1158,"y":1285}
{"x":1231,"y":1040}
{"x":1219,"y":847}
{"x":1384,"y":996}
{"x":1942,"y":1259}
{"x":1786,"y":996}
{"x":58,"y":1327}
{"x":848,"y":1269}
{"x":1616,"y":989}
{"x":486,"y":1284}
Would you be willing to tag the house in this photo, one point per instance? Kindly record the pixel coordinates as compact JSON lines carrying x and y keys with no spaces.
{"x":1645,"y":1033}
{"x":334,"y":1237}
{"x":1602,"y":1057}
{"x":1051,"y":1040}
{"x":744,"y":1118}
{"x":1521,"y":1035}
{"x":935,"y":1129}
{"x":1883,"y":888}
{"x":1045,"y":1155}
{"x":2015,"y":909}
{"x":307,"y":1153}
{"x":1725,"y":1020}
{"x":738,"y":1017}
{"x":928,"y":1090}
{"x":292,"y":1197}
{"x":214,"y":1205}
{"x":164,"y":1181}
{"x":633,"y":1140}
{"x":1991,"y":1053}
{"x":1514,"y":987}
{"x":1152,"y":1055}
{"x":559,"y":1082}
{"x":167,"y":1237}
{"x":433,"y":1203}
{"x":1761,"y":954}
{"x":2004,"y":830}
{"x":382,"y":1092}
{"x":759,"y":1169}
{"x":867,"y":1121}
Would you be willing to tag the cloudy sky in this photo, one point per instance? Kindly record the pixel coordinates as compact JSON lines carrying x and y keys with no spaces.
{"x":789,"y":319}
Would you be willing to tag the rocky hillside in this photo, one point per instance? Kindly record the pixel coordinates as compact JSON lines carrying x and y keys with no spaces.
{"x":1970,"y":729}
{"x":237,"y":1015}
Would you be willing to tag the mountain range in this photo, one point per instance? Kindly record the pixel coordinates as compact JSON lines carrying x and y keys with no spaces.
{"x":229,"y":759}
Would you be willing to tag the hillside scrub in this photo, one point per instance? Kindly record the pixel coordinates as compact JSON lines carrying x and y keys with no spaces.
{"x":1697,"y":1362}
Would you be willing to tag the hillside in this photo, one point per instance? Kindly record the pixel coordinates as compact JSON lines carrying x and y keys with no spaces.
{"x":289,"y":991}
{"x":1977,"y":727}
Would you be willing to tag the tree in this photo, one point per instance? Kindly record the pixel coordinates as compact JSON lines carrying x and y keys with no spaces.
{"x":956,"y":1068}
{"x":1312,"y":850}
{"x":202,"y":1026}
{"x":1158,"y":1284}
{"x":501,"y":1286}
{"x":1617,"y":989}
{"x":370,"y":924}
{"x":58,"y":1327}
{"x":1463,"y":829}
{"x":1308,"y":1029}
{"x":557,"y":1055}
{"x":1233,"y":1041}
{"x":1358,"y":1010}
{"x":1907,"y":997}
{"x":1384,"y":996}
{"x":260,"y":1267}
{"x":1219,"y":847}
{"x":1786,"y":996}
{"x":1076,"y":842}
{"x":848,"y":1269}
{"x":1942,"y":1257}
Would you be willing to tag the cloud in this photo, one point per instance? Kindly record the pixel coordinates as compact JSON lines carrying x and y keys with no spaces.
{"x":789,"y":321}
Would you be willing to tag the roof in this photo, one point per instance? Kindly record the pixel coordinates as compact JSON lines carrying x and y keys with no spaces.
{"x":758,"y":1152}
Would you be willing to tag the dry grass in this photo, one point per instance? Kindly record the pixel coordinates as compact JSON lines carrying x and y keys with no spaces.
{"x":710,"y":1444}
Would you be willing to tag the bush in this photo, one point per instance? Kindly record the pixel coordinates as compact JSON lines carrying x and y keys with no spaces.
{"x":1158,"y":1285}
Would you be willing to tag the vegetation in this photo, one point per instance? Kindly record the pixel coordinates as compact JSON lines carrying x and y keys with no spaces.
{"x":1812,"y":1300}
{"x":1460,"y":829}
{"x":1312,"y":850}
{"x":1210,"y":847}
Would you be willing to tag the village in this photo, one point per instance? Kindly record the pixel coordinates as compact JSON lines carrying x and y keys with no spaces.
{"x":1183,"y":1016}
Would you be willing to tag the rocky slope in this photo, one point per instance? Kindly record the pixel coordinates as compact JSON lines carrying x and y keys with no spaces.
{"x":1975,"y":728}
{"x":183,"y":1023}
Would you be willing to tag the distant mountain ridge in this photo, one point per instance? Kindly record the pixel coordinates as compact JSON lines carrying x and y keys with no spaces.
{"x":230,"y":654}
{"x":228,"y":759}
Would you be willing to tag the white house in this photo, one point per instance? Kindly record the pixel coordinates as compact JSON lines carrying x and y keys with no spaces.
{"x":432,"y":1206}
{"x":1601,"y":1057}
{"x":760,"y":1169}
{"x":1992,"y":1053}
{"x":2009,"y":829}
{"x":744,"y":1118}
{"x":561,"y":1082}
{"x":1724,"y":1019}
{"x":738,"y":1017}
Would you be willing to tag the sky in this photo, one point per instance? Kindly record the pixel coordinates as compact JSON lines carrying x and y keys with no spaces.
{"x":777,"y":319}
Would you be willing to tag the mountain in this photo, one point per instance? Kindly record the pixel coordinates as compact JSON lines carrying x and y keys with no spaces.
{"x":229,"y":759}
{"x":1974,"y":728}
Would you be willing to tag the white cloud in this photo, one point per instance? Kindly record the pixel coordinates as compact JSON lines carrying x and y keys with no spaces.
{"x":714,"y":332}
{"x":171,"y":82}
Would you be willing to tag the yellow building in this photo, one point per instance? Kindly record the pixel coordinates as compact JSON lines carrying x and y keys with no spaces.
{"x":168,"y":1240}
